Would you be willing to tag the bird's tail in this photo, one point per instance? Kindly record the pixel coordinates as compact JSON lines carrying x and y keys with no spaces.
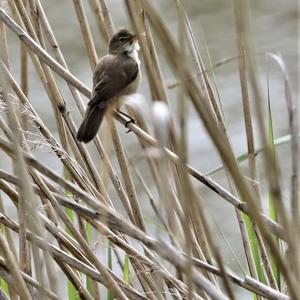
{"x":90,"y":124}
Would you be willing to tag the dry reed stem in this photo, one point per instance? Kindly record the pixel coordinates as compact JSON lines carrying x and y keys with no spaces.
{"x":250,"y":142}
{"x":7,"y":232}
{"x":61,"y":255}
{"x":107,"y":214}
{"x":206,"y":86}
{"x":241,"y":9}
{"x":144,"y":278}
{"x":82,"y":242}
{"x":130,"y":189}
{"x":23,"y":207}
{"x":36,"y":178}
{"x":222,"y":145}
{"x":28,"y":203}
{"x":72,"y":80}
{"x":64,"y":201}
{"x":31,"y":44}
{"x":86,"y":33}
{"x":265,"y":259}
{"x":206,"y":180}
{"x":217,"y":111}
{"x":168,"y":194}
{"x":107,"y":19}
{"x":292,"y":111}
{"x":135,"y":210}
{"x":96,"y":9}
{"x":185,"y":194}
{"x":111,"y":218}
{"x":24,"y":70}
{"x":221,"y":122}
{"x":57,"y":52}
{"x":61,"y":112}
{"x":3,"y":40}
{"x":81,"y":108}
{"x":14,"y":269}
{"x":86,"y":161}
{"x":109,"y":282}
{"x":152,"y":68}
{"x":58,"y":150}
{"x":44,"y":72}
{"x":251,"y":151}
{"x":36,"y":228}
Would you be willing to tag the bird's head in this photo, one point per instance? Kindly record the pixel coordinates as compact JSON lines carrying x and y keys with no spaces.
{"x":123,"y":41}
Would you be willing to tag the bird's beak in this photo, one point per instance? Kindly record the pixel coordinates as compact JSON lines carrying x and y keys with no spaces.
{"x":133,"y":38}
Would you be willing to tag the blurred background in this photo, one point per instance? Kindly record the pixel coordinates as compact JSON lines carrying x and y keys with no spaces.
{"x":274,"y":27}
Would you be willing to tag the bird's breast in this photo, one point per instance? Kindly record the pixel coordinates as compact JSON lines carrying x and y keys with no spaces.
{"x":133,"y":86}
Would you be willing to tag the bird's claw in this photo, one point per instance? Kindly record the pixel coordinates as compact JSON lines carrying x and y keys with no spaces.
{"x":132,"y":120}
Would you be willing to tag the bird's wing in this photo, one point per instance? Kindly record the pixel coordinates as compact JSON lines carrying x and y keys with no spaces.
{"x":111,"y":76}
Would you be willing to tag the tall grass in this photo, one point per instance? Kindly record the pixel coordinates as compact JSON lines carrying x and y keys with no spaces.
{"x":81,"y":202}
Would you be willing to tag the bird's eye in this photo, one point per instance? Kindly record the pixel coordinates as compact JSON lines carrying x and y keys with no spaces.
{"x":122,"y":39}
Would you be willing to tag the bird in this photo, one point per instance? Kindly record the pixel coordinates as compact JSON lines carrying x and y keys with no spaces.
{"x":117,"y":74}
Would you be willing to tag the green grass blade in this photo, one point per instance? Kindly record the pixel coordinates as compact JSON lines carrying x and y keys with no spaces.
{"x":255,"y":249}
{"x":272,"y":206}
{"x":277,"y":142}
{"x":126,"y":269}
{"x":72,"y":292}
{"x":4,"y":286}
{"x":3,"y":283}
{"x":89,"y":285}
{"x":250,"y":230}
{"x":235,"y":256}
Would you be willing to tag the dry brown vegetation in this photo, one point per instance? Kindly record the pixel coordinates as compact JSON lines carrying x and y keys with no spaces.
{"x":186,"y":263}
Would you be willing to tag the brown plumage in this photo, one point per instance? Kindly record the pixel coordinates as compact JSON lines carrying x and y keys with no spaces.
{"x":116,"y":74}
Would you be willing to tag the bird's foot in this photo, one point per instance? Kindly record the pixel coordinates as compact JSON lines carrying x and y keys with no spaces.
{"x":131,"y":120}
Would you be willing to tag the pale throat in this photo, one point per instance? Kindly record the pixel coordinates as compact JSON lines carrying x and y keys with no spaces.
{"x":132,"y":51}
